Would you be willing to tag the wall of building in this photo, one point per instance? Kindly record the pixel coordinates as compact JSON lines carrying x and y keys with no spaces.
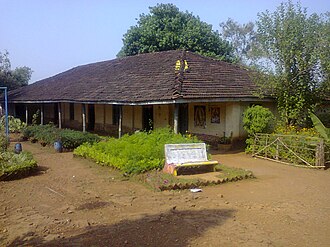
{"x":216,"y":129}
{"x":161,"y":116}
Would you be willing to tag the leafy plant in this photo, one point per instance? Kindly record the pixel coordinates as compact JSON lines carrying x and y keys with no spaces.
{"x":35,"y":117}
{"x":321,"y":129}
{"x":225,"y":140}
{"x":132,"y":154}
{"x":4,"y":143}
{"x":258,"y":119}
{"x":16,"y":165}
{"x":15,"y":124}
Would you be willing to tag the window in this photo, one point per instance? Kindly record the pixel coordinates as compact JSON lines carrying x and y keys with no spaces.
{"x":71,"y":111}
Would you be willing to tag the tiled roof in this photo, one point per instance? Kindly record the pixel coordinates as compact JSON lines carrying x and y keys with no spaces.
{"x":150,"y":77}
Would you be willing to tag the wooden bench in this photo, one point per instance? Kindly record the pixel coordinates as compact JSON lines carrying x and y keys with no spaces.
{"x":186,"y":155}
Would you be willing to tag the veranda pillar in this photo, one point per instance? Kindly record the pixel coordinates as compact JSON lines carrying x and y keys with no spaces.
{"x":176,"y":119}
{"x":83,"y":110}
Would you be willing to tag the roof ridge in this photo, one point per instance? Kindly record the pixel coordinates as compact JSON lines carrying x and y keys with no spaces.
{"x":179,"y":75}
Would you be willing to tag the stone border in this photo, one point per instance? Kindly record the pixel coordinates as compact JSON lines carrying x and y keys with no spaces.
{"x":184,"y":186}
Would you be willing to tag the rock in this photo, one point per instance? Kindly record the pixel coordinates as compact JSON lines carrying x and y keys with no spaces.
{"x":70,"y":212}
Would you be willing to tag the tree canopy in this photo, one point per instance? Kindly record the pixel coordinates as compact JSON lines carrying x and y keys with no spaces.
{"x":168,"y":28}
{"x":12,"y":79}
{"x":242,"y":37}
{"x":296,"y":47}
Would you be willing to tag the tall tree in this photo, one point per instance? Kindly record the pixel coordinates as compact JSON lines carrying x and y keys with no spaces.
{"x":12,"y":79}
{"x":290,"y":40}
{"x":168,"y":28}
{"x":242,"y":37}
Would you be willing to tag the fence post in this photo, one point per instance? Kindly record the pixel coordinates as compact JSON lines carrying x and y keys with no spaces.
{"x":266,"y":144}
{"x":277,"y":153}
{"x":254,"y":143}
{"x":319,"y":154}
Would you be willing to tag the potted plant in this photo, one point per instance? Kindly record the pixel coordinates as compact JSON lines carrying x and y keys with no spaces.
{"x":224,"y":144}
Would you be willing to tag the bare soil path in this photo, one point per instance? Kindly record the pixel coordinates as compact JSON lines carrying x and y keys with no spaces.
{"x":74,"y":202}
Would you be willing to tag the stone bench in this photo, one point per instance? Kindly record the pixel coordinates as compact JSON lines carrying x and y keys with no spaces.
{"x":186,"y":155}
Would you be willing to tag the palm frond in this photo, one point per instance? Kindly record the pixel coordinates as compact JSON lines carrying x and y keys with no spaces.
{"x":323,"y":131}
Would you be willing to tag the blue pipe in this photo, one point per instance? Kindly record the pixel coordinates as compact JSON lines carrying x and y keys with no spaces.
{"x":6,"y":112}
{"x":6,"y":109}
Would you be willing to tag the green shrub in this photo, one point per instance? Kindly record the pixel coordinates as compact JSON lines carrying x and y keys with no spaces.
{"x":45,"y":134}
{"x":135,"y":153}
{"x":71,"y":139}
{"x":15,"y":124}
{"x":258,"y":119}
{"x":48,"y":134}
{"x":16,"y":165}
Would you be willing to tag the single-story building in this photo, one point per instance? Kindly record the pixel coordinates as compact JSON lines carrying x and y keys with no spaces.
{"x":181,"y":89}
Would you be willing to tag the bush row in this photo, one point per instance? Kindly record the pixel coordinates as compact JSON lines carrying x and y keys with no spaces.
{"x":48,"y":134}
{"x":133,"y":154}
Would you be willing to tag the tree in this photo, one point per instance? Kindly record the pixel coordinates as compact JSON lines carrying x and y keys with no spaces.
{"x":290,"y":40}
{"x":12,"y":79}
{"x":241,"y":36}
{"x":167,"y":28}
{"x":325,"y":51}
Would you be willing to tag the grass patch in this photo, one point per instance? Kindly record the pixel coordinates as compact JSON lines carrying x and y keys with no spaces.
{"x":232,"y":172}
{"x":158,"y":180}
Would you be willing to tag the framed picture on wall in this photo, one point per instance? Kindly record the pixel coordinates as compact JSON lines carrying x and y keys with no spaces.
{"x":200,"y":116}
{"x":215,"y":114}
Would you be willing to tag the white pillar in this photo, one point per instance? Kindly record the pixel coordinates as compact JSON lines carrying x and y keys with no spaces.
{"x":26,"y":114}
{"x":120,"y":125}
{"x":176,"y":118}
{"x":42,"y":114}
{"x":83,"y":107}
{"x":133,"y":117}
{"x":59,"y":116}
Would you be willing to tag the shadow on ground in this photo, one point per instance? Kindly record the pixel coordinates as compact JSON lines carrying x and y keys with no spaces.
{"x":173,"y":228}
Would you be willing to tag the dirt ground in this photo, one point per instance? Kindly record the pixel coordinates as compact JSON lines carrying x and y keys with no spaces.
{"x":74,"y":202}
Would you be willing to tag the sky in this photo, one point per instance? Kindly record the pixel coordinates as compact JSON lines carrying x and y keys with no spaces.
{"x":52,"y":36}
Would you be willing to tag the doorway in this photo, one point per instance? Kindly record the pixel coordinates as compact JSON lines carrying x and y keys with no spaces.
{"x":183,"y":118}
{"x":147,"y":118}
{"x":91,"y":117}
